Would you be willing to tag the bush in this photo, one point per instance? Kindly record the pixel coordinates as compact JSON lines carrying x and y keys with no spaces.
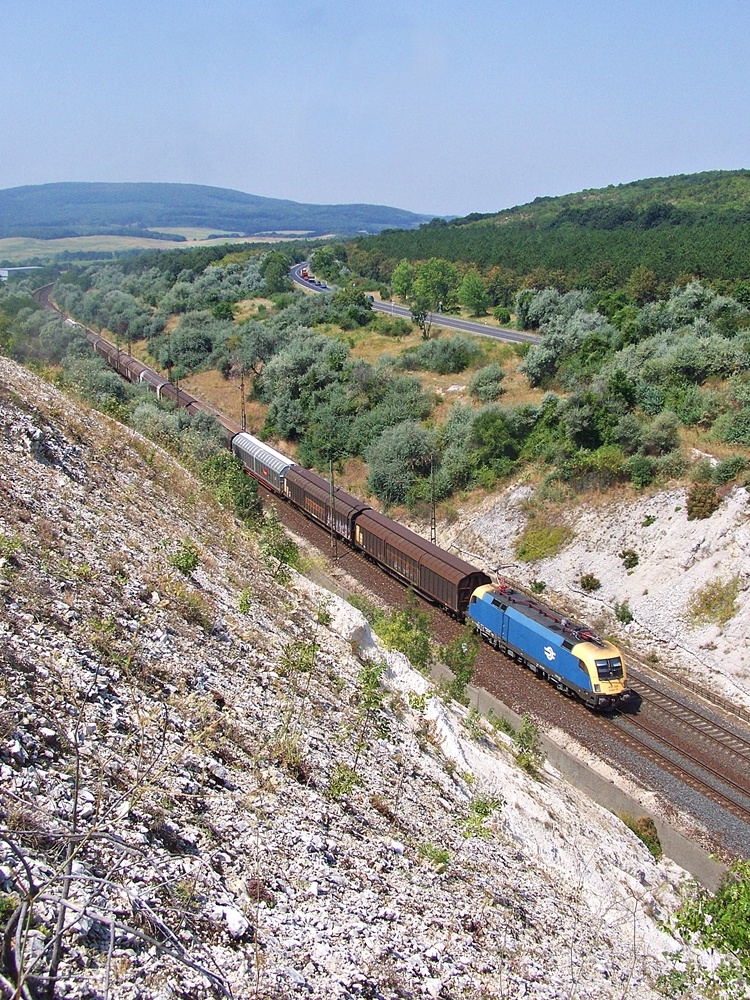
{"x":702,"y":501}
{"x":623,"y":613}
{"x":729,"y":469}
{"x":645,"y":829}
{"x":186,"y":558}
{"x":629,"y":558}
{"x":484,"y":385}
{"x":501,"y":314}
{"x":445,"y":356}
{"x":538,"y":586}
{"x":589,"y":583}
{"x":722,"y":920}
{"x":641,"y":470}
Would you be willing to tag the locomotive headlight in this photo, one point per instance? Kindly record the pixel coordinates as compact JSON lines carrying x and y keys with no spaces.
{"x":597,"y":687}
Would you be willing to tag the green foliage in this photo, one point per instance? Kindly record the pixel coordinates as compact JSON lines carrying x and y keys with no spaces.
{"x":537,"y":586}
{"x":623,"y":613}
{"x":225,"y":476}
{"x":645,"y":829}
{"x":484,"y":384}
{"x":245,"y":601}
{"x":590,"y":583}
{"x":342,"y":783}
{"x":481,"y":809}
{"x":541,"y":539}
{"x":728,"y":469}
{"x":716,"y":602}
{"x":529,"y":753}
{"x":408,"y":630}
{"x":629,"y":558}
{"x":472,"y":293}
{"x":278,"y":549}
{"x":444,"y":355}
{"x":459,"y":656}
{"x":702,"y":501}
{"x":397,"y":458}
{"x":723,"y":920}
{"x":185,"y":558}
{"x":501,"y":314}
{"x":438,"y":856}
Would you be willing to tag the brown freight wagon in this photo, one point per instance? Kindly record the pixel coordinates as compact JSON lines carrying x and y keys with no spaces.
{"x":312,"y":494}
{"x":437,"y":574}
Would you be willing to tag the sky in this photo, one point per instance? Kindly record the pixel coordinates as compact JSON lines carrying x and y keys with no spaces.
{"x":443,"y":108}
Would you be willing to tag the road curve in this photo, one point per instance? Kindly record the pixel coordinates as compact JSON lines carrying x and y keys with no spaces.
{"x":437,"y":319}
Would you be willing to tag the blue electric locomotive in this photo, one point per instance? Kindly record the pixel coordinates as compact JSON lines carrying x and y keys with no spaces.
{"x":576,"y":660}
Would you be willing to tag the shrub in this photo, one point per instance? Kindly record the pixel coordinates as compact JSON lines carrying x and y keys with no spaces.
{"x":629,"y":558}
{"x":729,"y":469}
{"x":645,"y":829}
{"x":343,"y":782}
{"x":641,"y":470}
{"x":501,"y":314}
{"x":186,"y":558}
{"x":623,"y":613}
{"x":484,"y":385}
{"x":722,"y":920}
{"x":589,"y":582}
{"x":537,"y":586}
{"x":439,"y":856}
{"x":702,"y":501}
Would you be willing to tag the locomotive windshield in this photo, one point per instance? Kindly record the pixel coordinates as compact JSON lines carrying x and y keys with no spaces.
{"x":609,"y":670}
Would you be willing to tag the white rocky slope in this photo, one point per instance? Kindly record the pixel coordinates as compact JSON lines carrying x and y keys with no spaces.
{"x":206,"y":791}
{"x":677,"y":559}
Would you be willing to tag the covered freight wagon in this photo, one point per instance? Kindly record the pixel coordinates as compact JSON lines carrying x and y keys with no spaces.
{"x":312,"y":494}
{"x":569,"y":654}
{"x":261,"y":461}
{"x":437,"y":574}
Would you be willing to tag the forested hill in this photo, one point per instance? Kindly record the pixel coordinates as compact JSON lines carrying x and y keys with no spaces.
{"x":51,"y":211}
{"x":693,"y":224}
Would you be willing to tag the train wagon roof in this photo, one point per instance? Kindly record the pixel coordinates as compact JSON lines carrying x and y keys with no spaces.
{"x":567,"y":629}
{"x":445,"y":563}
{"x":265,"y":453}
{"x":320,"y":488}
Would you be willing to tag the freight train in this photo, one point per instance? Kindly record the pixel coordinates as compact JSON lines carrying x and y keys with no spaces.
{"x":568,"y":654}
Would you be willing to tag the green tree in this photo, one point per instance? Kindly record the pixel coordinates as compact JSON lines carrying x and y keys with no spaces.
{"x":402,"y":279}
{"x":472,"y":293}
{"x":435,"y":284}
{"x":642,"y":285}
{"x":397,"y":459}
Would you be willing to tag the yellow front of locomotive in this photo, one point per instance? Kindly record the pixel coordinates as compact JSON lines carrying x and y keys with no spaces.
{"x":606,"y":671}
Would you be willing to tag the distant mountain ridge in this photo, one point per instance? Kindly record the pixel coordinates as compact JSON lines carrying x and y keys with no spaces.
{"x":54,"y":211}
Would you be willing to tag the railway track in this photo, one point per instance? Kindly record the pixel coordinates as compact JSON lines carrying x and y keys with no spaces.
{"x":641,"y":734}
{"x":663,"y":743}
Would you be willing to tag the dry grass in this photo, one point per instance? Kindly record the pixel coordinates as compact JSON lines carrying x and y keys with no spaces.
{"x":17,"y":249}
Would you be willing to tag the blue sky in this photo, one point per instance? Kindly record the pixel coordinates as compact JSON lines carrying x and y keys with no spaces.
{"x":438,"y":107}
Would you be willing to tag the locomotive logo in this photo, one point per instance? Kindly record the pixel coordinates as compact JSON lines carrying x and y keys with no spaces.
{"x":549,"y":653}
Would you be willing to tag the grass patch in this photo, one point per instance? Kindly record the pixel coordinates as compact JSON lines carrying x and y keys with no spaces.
{"x":645,"y":829}
{"x":715,"y":603}
{"x":542,"y":538}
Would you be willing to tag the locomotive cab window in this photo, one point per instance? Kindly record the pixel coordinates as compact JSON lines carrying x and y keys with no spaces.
{"x":609,"y":670}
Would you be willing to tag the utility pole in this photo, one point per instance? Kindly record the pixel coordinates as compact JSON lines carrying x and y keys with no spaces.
{"x":433,"y":519}
{"x":334,"y":537}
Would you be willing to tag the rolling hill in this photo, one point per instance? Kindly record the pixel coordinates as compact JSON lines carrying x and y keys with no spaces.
{"x":692,"y":224}
{"x":54,"y":211}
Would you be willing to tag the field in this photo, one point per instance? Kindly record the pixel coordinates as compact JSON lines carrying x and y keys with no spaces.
{"x":21,"y":249}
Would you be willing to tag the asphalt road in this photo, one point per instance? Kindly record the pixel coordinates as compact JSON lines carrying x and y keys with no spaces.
{"x":438,"y":319}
